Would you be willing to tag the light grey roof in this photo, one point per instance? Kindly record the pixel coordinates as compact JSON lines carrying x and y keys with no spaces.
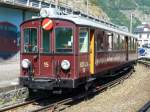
{"x":88,"y":22}
{"x":142,"y":29}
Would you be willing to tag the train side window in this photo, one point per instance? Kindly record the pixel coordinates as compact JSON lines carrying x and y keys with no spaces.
{"x":122,"y":42}
{"x":110,"y":40}
{"x":46,"y":41}
{"x":132,"y":43}
{"x":119,"y":42}
{"x":115,"y":42}
{"x":100,"y":41}
{"x":84,"y":40}
{"x":136,"y":44}
{"x":129,"y":43}
{"x":30,"y":40}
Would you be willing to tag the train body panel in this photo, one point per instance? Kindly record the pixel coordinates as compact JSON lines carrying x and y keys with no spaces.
{"x":68,"y":54}
{"x":109,"y":60}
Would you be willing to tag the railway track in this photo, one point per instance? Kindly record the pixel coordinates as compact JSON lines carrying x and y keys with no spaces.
{"x":144,"y":62}
{"x":145,"y":108}
{"x":12,"y":108}
{"x":58,"y":104}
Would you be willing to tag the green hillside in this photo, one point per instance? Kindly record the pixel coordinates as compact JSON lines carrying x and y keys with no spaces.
{"x":115,"y":10}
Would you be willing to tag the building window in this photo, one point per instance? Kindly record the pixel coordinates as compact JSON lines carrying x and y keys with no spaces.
{"x":148,"y":35}
{"x":145,"y":41}
{"x":139,"y":43}
{"x":140,"y":36}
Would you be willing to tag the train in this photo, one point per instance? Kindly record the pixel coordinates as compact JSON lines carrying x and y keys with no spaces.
{"x":8,"y":40}
{"x":67,"y":51}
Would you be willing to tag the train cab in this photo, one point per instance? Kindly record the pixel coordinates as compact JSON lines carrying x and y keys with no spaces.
{"x":55,"y":51}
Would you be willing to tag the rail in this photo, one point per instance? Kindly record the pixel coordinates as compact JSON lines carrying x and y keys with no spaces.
{"x":62,"y":7}
{"x":144,"y":62}
{"x":17,"y":105}
{"x":145,"y":108}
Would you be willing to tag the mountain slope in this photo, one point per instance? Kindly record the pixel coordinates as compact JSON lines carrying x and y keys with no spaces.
{"x":119,"y":11}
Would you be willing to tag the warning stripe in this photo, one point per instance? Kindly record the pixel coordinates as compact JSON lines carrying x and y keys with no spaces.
{"x":46,"y":25}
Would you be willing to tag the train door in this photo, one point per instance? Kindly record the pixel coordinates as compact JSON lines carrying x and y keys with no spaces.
{"x":45,"y":54}
{"x":83,"y":52}
{"x":92,"y":51}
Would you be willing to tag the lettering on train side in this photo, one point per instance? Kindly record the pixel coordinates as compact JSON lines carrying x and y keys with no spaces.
{"x":46,"y":64}
{"x":84,"y":64}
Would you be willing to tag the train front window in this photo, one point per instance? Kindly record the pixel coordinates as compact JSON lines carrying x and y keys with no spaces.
{"x":63,"y":40}
{"x":30,"y":40}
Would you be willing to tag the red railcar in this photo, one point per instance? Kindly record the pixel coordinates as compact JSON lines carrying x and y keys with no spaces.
{"x":66,"y":51}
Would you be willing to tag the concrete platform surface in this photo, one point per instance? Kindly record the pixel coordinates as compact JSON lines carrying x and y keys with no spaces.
{"x":9,"y":73}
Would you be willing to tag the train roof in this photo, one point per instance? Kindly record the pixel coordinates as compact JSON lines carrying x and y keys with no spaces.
{"x":83,"y":21}
{"x":92,"y":23}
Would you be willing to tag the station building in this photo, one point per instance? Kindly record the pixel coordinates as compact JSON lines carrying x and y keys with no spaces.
{"x":143,"y":34}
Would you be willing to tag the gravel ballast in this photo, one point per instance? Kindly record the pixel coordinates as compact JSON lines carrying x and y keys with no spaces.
{"x":129,"y":96}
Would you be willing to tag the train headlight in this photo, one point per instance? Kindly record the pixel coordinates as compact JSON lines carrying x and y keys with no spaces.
{"x":65,"y":64}
{"x":25,"y":63}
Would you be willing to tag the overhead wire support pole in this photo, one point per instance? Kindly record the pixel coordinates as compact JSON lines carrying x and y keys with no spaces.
{"x":87,"y":6}
{"x":56,"y":4}
{"x":131,"y":20}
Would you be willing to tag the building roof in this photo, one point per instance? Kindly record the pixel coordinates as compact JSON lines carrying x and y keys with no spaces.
{"x":144,"y":28}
